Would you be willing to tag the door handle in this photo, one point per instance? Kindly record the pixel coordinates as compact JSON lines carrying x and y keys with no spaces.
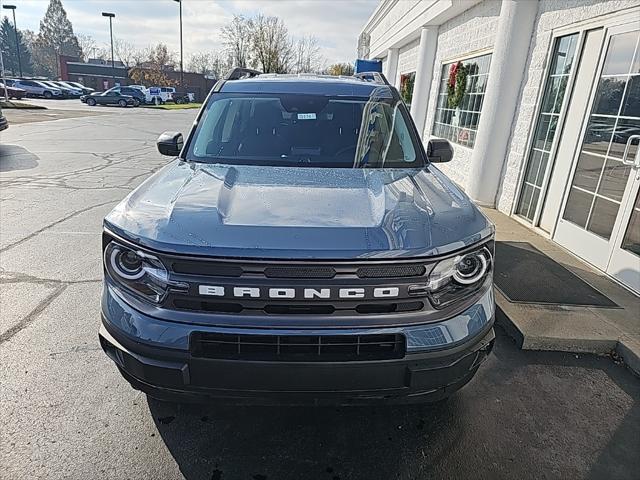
{"x":635,"y":162}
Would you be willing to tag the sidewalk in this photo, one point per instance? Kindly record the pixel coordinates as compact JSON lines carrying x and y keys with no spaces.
{"x":570,"y":328}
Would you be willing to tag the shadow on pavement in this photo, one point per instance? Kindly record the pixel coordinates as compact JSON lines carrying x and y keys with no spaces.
{"x":13,"y":157}
{"x":525,"y":415}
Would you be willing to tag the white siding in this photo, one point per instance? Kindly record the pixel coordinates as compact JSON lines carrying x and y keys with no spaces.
{"x":472,"y":31}
{"x":394,"y":19}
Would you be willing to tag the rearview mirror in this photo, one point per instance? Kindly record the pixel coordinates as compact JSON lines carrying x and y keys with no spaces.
{"x":170,"y":143}
{"x":439,"y":150}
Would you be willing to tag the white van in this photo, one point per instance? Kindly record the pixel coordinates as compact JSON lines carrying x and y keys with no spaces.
{"x":159,"y":95}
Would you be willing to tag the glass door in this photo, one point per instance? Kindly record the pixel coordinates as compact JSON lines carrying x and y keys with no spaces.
{"x":598,"y":211}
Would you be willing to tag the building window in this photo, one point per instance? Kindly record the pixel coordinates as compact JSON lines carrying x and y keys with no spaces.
{"x":459,"y":122}
{"x":546,"y":126}
{"x":406,"y":86}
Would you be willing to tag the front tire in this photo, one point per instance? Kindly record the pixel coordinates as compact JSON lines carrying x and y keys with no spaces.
{"x":47,"y":95}
{"x":91,"y":102}
{"x":122,"y":103}
{"x":136,"y":102}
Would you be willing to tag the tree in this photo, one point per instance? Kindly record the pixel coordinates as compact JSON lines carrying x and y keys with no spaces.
{"x":271,"y":48}
{"x":237,"y":40}
{"x":340,"y":69}
{"x":152,"y":71}
{"x":207,"y":63}
{"x":127,"y":53}
{"x":88,"y":47}
{"x":306,"y":55}
{"x":56,"y":38}
{"x":9,"y":51}
{"x":160,"y":57}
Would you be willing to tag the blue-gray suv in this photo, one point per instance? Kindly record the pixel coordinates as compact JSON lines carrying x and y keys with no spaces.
{"x":302,"y":247}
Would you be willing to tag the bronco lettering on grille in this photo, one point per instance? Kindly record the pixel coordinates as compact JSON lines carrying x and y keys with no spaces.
{"x":307,"y":293}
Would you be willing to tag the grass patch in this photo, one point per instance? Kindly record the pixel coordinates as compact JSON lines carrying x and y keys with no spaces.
{"x":174,"y":106}
{"x":20,"y":104}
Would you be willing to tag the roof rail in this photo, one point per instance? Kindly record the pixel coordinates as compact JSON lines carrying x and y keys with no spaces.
{"x":239,"y":73}
{"x":376,"y":77}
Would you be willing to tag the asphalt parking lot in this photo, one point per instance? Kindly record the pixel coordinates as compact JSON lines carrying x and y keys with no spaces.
{"x":65,"y":412}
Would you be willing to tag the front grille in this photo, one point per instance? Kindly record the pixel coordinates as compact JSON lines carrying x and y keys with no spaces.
{"x":391,"y":271}
{"x":300,"y":272}
{"x":297,"y":348}
{"x":207,"y":268}
{"x":316,"y":286}
{"x":193,"y":304}
{"x":236,"y":269}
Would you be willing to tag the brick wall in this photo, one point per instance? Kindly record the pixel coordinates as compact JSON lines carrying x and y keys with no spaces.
{"x":471,"y":31}
{"x":408,"y":57}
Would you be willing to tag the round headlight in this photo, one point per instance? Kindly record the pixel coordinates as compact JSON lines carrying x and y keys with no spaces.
{"x":470,"y":268}
{"x":127,"y":263}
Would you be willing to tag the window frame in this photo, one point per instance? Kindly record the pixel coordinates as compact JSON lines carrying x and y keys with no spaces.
{"x":450,"y":61}
{"x":554,"y":36}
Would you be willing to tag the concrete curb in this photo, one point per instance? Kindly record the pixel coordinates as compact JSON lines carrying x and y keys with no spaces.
{"x":626,"y":347}
{"x":629,"y":350}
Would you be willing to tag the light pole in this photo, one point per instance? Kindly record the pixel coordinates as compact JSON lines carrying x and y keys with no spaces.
{"x":4,"y":80}
{"x":113,"y":64}
{"x":181,"y":64}
{"x":15,"y":30}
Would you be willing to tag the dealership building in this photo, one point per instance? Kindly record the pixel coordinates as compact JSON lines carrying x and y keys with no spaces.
{"x":541,"y":101}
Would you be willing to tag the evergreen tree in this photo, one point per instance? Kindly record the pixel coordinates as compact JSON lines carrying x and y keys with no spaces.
{"x":9,"y":52}
{"x":56,"y":38}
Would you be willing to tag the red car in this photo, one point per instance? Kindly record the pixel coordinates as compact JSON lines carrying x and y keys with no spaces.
{"x":12,"y":92}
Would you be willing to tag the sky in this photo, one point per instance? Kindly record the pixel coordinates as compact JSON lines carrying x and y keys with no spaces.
{"x":335,"y":23}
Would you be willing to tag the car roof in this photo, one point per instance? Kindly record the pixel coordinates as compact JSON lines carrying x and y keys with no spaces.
{"x":308,"y":84}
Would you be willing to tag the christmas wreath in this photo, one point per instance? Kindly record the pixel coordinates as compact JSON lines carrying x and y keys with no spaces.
{"x":456,"y":85}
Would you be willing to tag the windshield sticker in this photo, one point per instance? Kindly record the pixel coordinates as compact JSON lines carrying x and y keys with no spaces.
{"x":306,"y":116}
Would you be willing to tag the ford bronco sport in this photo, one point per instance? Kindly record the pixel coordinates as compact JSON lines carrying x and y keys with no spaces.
{"x":301,"y":247}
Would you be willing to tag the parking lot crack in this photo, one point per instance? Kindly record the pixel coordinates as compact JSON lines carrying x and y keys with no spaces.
{"x":57,"y":222}
{"x":26,"y":321}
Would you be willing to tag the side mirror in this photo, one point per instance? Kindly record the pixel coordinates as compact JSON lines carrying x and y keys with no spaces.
{"x":439,"y":150}
{"x":170,"y":143}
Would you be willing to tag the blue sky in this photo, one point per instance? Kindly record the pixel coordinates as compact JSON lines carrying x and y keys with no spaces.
{"x":336,"y":23}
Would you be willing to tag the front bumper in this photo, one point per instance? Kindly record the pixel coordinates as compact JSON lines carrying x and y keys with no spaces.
{"x":154,"y":356}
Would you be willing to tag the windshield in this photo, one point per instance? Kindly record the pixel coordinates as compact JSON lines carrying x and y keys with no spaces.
{"x":305,"y":130}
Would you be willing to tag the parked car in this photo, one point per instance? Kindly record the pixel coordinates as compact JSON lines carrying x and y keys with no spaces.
{"x":108,"y":98}
{"x":159,"y":95}
{"x":3,"y":121}
{"x":301,"y":247}
{"x":85,"y":90}
{"x":67,"y":92}
{"x":142,"y":88}
{"x":35,"y":88}
{"x":180,"y":98}
{"x":12,"y":92}
{"x":138,"y":95}
{"x":77,"y":91}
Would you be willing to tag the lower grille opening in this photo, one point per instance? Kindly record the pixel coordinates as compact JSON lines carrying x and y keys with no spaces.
{"x":299,"y":309}
{"x":186,"y":303}
{"x":221,"y":307}
{"x":389,"y":307}
{"x":302,"y":348}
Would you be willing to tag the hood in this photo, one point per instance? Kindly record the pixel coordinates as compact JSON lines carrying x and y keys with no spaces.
{"x":285,"y":212}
